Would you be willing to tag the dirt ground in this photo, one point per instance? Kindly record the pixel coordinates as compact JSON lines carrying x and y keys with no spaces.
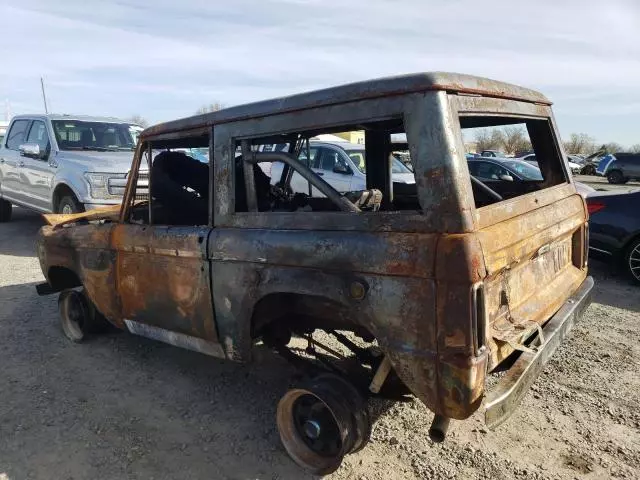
{"x":122,"y":407}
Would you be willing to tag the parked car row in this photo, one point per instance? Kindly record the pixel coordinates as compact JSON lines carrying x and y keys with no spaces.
{"x":574,"y":162}
{"x":571,"y":161}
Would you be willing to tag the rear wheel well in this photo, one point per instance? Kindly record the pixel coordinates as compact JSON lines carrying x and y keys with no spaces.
{"x":628,"y":243}
{"x":61,"y":278}
{"x":299,"y":313}
{"x":61,"y":191}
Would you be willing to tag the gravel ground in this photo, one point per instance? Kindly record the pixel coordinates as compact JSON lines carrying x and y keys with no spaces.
{"x":122,"y":407}
{"x":601,"y":183}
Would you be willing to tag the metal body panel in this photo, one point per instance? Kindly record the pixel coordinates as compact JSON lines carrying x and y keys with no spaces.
{"x":163,"y":278}
{"x":86,"y":251}
{"x":371,"y":89}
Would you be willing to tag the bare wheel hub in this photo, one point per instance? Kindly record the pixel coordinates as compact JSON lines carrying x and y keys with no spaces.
{"x":322,"y":422}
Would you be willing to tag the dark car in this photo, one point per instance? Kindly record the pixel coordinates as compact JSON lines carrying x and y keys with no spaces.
{"x":504,"y":174}
{"x":492,"y":154}
{"x":614,"y":227}
{"x":625,"y":167}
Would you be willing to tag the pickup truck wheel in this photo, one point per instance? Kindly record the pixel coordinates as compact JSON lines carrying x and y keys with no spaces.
{"x":322,"y":422}
{"x":588,"y":170}
{"x":632,"y":261}
{"x":5,"y":211}
{"x":75,"y":315}
{"x":69,"y":204}
{"x":615,"y":177}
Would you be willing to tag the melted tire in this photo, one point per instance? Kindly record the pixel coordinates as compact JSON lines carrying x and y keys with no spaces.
{"x":74,"y":315}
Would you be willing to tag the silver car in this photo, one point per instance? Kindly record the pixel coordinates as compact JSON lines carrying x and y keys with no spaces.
{"x":341,"y":165}
{"x":64,"y":164}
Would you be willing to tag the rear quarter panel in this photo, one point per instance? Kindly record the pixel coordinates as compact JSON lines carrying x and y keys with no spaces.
{"x":396,"y":268}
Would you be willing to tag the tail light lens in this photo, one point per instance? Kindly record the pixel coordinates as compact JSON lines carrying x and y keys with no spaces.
{"x":595,"y":206}
{"x":478,"y":317}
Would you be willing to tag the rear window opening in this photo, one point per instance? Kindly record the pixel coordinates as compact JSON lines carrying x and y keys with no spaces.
{"x":360,"y":163}
{"x":509,"y":156}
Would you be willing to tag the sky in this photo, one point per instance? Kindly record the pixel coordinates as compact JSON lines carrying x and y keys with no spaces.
{"x":164,"y":59}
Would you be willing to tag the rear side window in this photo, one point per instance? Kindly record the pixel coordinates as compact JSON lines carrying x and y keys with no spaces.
{"x":367,"y":174}
{"x":17,"y":134}
{"x":506,"y":175}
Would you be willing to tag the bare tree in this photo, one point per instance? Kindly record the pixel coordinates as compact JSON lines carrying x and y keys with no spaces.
{"x":514,"y":139}
{"x":579,"y":143}
{"x":635,"y":148}
{"x":212,"y":107}
{"x":138,"y":120}
{"x":488,"y":139}
{"x":613,"y":147}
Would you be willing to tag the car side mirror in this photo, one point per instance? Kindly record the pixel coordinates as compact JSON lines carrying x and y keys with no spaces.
{"x":32,"y":150}
{"x":506,"y":178}
{"x":342,"y":168}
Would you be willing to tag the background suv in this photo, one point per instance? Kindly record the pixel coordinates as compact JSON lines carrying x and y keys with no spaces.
{"x":64,"y":164}
{"x":622,"y":168}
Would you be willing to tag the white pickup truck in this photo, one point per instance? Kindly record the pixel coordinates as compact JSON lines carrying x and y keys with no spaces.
{"x":64,"y":164}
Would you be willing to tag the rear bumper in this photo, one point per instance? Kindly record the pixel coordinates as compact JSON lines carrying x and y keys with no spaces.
{"x":502,"y":400}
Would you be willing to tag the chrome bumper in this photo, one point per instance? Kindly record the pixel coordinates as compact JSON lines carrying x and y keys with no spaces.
{"x":502,"y":400}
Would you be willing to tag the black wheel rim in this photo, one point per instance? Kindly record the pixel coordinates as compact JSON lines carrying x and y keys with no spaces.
{"x":316,"y":426}
{"x":634,"y":262}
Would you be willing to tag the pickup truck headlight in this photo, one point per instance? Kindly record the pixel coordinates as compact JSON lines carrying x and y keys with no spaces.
{"x":99,"y":184}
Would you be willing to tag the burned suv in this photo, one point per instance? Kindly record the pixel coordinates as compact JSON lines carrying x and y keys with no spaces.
{"x":428,"y":295}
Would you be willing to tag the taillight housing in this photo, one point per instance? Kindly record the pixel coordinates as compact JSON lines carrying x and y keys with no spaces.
{"x":478,"y":317}
{"x":594,"y":206}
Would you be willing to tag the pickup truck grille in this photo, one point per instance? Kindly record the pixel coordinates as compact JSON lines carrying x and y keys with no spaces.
{"x":117,"y":186}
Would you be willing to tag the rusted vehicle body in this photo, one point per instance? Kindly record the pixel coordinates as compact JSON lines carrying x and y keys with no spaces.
{"x":447,"y":280}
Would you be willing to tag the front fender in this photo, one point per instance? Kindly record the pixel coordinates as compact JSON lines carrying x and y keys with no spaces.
{"x":85,"y":251}
{"x":75,"y":181}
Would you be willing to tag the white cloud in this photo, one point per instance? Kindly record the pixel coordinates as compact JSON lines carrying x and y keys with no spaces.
{"x":163,"y":59}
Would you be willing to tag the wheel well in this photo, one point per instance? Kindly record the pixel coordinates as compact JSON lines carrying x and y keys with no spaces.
{"x":300,"y":312}
{"x":628,"y":243}
{"x":62,"y":190}
{"x":61,"y":278}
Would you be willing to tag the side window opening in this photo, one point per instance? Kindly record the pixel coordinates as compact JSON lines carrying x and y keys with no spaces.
{"x":38,"y":134}
{"x":173,"y":189}
{"x":16,"y":135}
{"x":367,"y":174}
{"x":501,"y":171}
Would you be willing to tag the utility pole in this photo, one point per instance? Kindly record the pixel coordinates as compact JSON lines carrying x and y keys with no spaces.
{"x":44,"y":97}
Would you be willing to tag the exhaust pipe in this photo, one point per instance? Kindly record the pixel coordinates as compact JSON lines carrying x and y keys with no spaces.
{"x":438,"y":429}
